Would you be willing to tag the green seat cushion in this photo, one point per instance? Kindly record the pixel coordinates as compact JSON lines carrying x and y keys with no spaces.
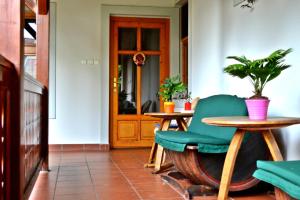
{"x":189,"y":137}
{"x":177,"y":141}
{"x":278,"y":181}
{"x":289,"y":170}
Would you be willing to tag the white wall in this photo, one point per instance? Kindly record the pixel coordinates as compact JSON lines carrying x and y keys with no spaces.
{"x":77,"y":85}
{"x":205,"y":29}
{"x":217,"y":30}
{"x":82,"y":89}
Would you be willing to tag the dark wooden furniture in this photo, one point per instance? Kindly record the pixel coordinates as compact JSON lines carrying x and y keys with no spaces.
{"x":5,"y":92}
{"x":33,"y":128}
{"x":243,"y":124}
{"x":24,"y":103}
{"x":157,"y":151}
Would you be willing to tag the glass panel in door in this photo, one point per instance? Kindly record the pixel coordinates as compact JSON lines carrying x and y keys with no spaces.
{"x":127,"y":94}
{"x":127,"y":38}
{"x":150,"y":84}
{"x":150,"y":39}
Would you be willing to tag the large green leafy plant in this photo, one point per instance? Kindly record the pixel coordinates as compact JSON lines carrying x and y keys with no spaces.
{"x":260,"y":71}
{"x":170,"y":87}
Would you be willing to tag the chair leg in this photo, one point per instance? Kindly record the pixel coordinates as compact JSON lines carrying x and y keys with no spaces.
{"x":181,"y":124}
{"x":151,"y":159}
{"x":160,"y":150}
{"x":280,"y":195}
{"x":159,"y":157}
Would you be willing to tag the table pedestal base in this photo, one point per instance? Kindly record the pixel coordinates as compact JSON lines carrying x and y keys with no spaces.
{"x":187,"y":188}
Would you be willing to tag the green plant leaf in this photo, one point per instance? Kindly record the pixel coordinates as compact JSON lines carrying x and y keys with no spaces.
{"x":170,"y":87}
{"x":260,"y":71}
{"x":241,"y":59}
{"x":238,"y":70}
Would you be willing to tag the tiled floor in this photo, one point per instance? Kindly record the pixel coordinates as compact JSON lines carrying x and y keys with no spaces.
{"x":114,"y":175}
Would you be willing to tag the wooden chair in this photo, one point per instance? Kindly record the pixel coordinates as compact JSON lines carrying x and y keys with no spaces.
{"x":284,"y":175}
{"x":146,"y":106}
{"x":199,"y":153}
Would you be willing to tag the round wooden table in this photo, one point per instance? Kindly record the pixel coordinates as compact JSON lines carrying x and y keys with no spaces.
{"x":158,"y":150}
{"x":244,"y":124}
{"x":168,"y":117}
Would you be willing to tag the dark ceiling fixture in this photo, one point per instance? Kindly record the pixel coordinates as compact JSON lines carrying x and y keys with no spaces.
{"x":244,"y":3}
{"x":248,"y":4}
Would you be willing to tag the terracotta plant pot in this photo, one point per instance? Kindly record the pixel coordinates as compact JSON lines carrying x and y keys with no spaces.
{"x":169,"y":107}
{"x":257,"y":108}
{"x":187,"y":106}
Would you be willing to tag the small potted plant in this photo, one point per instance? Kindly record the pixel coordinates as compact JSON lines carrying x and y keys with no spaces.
{"x":188,"y":104}
{"x":260,"y":72}
{"x":171,"y":86}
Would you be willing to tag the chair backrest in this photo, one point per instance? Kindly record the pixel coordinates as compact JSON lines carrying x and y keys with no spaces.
{"x":217,"y":106}
{"x":146,"y":106}
{"x":195,"y":102}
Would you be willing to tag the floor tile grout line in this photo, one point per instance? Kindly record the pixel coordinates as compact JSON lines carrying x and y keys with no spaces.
{"x":127,"y":179}
{"x":173,"y":188}
{"x":164,"y":182}
{"x":57,"y":176}
{"x":92,"y":180}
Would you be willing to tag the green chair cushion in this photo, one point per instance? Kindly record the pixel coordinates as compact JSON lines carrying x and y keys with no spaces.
{"x":210,"y":139}
{"x":289,"y":170}
{"x":177,"y":141}
{"x":278,"y":181}
{"x":189,"y":137}
{"x":217,"y":106}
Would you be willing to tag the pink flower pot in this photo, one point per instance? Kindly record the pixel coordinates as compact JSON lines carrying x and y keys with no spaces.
{"x":257,"y":108}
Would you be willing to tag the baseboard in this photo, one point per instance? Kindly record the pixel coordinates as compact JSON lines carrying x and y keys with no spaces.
{"x":78,"y":147}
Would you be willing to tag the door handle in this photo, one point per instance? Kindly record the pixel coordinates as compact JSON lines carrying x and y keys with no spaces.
{"x":115,"y":84}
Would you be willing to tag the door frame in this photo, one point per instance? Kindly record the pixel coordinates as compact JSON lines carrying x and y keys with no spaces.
{"x":135,"y":11}
{"x":165,"y":58}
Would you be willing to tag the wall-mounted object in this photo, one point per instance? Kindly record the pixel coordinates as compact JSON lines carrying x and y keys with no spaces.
{"x":244,"y":3}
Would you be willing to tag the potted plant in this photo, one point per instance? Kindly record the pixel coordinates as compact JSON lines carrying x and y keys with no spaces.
{"x":260,"y":72}
{"x":170,"y":87}
{"x":188,"y":104}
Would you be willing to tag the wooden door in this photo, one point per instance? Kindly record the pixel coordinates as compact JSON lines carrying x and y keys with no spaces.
{"x":133,"y":89}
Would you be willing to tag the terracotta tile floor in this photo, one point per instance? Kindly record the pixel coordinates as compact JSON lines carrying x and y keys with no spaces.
{"x":114,"y":175}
